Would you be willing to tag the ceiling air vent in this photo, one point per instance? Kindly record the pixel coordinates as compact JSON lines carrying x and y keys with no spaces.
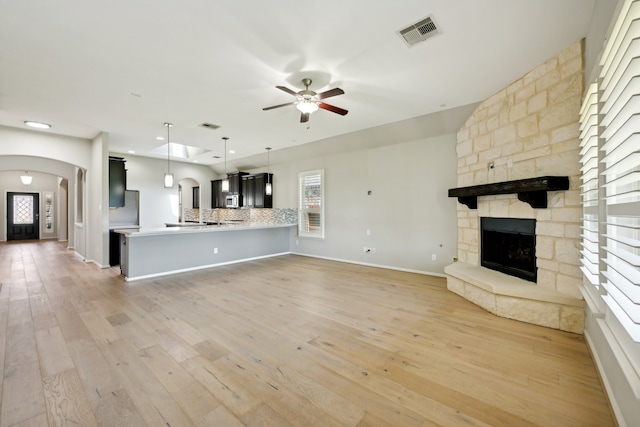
{"x":419,"y":32}
{"x":209,"y":126}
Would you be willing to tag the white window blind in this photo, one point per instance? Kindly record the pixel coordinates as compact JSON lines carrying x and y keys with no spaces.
{"x":311,"y":204}
{"x":620,"y":145}
{"x":590,"y":186}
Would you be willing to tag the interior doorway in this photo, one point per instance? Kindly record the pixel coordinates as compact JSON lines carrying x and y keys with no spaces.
{"x":23,"y":218}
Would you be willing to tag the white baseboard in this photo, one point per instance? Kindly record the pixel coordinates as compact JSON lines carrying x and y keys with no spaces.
{"x":620,"y":379}
{"x":388,"y":267}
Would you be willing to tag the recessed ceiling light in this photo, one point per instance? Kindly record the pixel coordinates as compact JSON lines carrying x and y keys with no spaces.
{"x":132,"y":152}
{"x":232,"y":151}
{"x":37,"y":125}
{"x":195,"y":161}
{"x":160,"y":138}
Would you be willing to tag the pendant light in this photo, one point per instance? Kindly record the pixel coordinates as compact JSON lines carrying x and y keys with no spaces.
{"x":26,"y":178}
{"x":267,"y":188}
{"x":225,"y":181}
{"x":168,"y":177}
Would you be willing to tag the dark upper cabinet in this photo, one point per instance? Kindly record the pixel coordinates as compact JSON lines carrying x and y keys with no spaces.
{"x":254,"y":191}
{"x":217,"y":197}
{"x":250,"y":188}
{"x":260,"y":198}
{"x":117,"y":182}
{"x":247,"y":191}
{"x":235,"y":182}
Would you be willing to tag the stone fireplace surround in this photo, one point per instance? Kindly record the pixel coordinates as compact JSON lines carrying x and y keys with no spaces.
{"x":528,"y":129}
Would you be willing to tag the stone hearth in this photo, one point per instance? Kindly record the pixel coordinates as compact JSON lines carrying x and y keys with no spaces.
{"x":514,"y":298}
{"x":527,"y":130}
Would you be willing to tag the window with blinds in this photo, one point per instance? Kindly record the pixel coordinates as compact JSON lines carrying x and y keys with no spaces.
{"x":311,"y":204}
{"x":617,"y":194}
{"x":590,"y":185}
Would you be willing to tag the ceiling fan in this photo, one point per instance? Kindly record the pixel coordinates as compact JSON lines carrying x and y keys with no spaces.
{"x":308,"y":101}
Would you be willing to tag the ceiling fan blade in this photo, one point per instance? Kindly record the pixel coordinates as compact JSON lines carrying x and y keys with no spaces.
{"x":278,"y":106}
{"x":286,"y":89}
{"x":304,"y":117}
{"x":331,"y":92}
{"x":333,"y":108}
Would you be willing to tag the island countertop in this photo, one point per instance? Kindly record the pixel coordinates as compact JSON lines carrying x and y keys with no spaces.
{"x":151,"y":252}
{"x":177,"y":228}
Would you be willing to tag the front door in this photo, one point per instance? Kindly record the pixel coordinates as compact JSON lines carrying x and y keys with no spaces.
{"x":22,"y":216}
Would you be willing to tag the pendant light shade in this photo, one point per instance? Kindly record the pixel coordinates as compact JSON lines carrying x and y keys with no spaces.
{"x":26,"y":178}
{"x":168,"y":177}
{"x":267,"y":188}
{"x":168,"y":180}
{"x":225,"y":181}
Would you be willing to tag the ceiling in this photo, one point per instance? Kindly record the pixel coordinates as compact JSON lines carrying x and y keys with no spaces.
{"x":125,"y":67}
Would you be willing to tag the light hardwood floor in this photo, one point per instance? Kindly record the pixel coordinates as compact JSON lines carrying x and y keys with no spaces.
{"x":286,"y":341}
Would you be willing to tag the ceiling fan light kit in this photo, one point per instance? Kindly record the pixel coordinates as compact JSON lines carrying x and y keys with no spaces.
{"x":308,"y":101}
{"x":307,"y":106}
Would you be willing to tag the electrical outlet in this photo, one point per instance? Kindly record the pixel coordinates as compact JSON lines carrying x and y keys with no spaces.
{"x":215,"y":250}
{"x":373,"y":250}
{"x":434,"y":257}
{"x":368,"y":232}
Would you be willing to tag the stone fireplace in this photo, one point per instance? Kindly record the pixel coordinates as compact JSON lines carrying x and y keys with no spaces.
{"x":525,"y":131}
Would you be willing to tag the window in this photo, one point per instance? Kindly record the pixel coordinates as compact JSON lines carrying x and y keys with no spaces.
{"x":611,"y":175}
{"x":311,"y":204}
{"x":590,"y":185}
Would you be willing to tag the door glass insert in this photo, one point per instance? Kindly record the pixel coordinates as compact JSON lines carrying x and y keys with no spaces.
{"x":23,"y":209}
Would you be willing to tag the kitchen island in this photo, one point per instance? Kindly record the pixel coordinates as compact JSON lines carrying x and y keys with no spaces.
{"x":155,"y":252}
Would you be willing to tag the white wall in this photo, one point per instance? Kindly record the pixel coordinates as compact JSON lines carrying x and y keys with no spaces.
{"x":409,"y":215}
{"x":97,"y":202}
{"x":158,"y":204}
{"x":10,"y":182}
{"x":22,"y":150}
{"x":67,"y":149}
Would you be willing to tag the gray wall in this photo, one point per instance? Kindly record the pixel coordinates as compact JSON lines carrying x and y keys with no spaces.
{"x":408,"y":214}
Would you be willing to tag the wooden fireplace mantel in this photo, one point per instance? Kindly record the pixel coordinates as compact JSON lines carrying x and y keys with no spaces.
{"x":530,"y":190}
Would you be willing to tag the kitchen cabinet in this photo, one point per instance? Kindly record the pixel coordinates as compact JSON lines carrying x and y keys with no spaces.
{"x":235,"y":182}
{"x":114,"y":248}
{"x":253,"y":191}
{"x":236,"y":187}
{"x":260,"y":198}
{"x":217,"y":197}
{"x":117,"y":181}
{"x":247,"y":191}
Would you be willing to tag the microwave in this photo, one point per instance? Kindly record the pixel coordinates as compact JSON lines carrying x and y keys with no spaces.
{"x":232,"y":201}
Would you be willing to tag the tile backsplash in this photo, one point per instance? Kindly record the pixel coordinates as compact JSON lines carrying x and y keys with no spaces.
{"x":255,"y":215}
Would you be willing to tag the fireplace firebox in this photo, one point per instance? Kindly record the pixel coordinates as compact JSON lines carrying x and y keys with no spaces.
{"x":508,"y":245}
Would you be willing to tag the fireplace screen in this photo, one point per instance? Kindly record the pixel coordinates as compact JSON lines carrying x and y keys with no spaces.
{"x":508,"y":245}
